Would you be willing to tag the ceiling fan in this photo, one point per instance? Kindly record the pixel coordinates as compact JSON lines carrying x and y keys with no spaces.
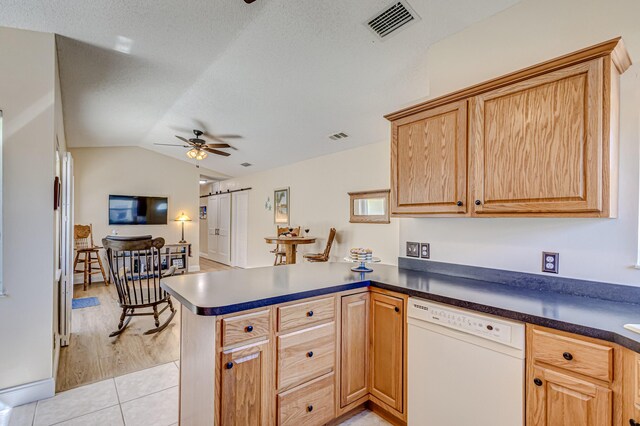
{"x":200,"y":147}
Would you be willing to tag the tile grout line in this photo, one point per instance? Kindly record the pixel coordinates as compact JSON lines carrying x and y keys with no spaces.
{"x":119,"y":402}
{"x":152,"y":393}
{"x":81,"y":415}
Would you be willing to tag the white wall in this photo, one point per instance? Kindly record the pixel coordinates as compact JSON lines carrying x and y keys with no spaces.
{"x":204,"y":229}
{"x":27,"y":98}
{"x":527,"y":33}
{"x":136,"y":171}
{"x":319,"y":200}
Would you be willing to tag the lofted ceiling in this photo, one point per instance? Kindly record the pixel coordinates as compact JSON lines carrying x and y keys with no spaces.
{"x":282,"y":74}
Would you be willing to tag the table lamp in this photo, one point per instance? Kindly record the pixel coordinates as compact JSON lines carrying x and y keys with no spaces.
{"x":182,"y":218}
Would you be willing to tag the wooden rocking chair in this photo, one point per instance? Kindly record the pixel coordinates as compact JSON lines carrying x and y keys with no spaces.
{"x":135,"y":266}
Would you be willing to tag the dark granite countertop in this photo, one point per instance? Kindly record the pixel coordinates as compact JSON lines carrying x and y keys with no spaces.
{"x":218,"y":293}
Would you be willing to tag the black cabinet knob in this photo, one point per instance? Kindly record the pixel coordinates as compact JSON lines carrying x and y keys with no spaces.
{"x":633,"y":423}
{"x":459,"y":204}
{"x":249,"y":328}
{"x":478,"y":202}
{"x":309,"y":408}
{"x":310,"y":313}
{"x":229,"y":365}
{"x":567,"y":356}
{"x":396,"y":309}
{"x":537,"y":382}
{"x":310,"y":354}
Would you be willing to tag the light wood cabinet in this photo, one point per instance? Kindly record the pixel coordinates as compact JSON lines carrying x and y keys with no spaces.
{"x":386,"y":365}
{"x":429,"y":161}
{"x":558,"y":399}
{"x":244,"y":389}
{"x":542,"y":141}
{"x":537,"y":144}
{"x":354,"y":359}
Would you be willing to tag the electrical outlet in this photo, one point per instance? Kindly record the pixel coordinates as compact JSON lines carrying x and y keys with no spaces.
{"x":550,"y":262}
{"x":413,"y":249}
{"x":425,"y":250}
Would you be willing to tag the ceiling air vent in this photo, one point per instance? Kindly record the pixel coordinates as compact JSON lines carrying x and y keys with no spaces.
{"x":246,"y":164}
{"x":338,"y":136}
{"x":396,"y":16}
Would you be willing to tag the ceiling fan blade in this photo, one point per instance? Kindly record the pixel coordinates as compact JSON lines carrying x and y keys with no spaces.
{"x":218,"y":145}
{"x":172,"y":144}
{"x":184,"y":140}
{"x":215,"y":151}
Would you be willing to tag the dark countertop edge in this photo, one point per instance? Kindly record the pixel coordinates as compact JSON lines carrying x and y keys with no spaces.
{"x":245,"y":306}
{"x":596,"y":333}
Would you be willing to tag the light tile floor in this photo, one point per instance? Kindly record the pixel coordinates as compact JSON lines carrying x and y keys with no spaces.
{"x":144,"y":398}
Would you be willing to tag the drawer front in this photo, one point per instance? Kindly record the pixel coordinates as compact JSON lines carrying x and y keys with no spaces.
{"x":245,"y":327}
{"x":306,"y":314}
{"x":311,"y":404}
{"x":575,"y":355}
{"x":306,"y":354}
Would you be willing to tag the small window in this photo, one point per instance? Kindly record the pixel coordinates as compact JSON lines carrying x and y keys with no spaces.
{"x":369,"y":206}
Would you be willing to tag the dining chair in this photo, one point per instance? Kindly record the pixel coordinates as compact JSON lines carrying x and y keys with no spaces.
{"x":280,"y":254}
{"x":88,"y":254}
{"x":135,"y":266}
{"x":324,"y":256}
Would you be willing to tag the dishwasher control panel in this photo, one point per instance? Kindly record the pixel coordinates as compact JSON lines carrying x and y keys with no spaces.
{"x":484,"y":326}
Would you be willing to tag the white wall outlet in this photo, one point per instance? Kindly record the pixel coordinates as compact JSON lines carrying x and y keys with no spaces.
{"x":413,"y":249}
{"x":425,"y":250}
{"x":550,"y":262}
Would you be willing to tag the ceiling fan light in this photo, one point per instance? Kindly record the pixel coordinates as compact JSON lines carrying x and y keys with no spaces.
{"x":201,"y":155}
{"x":192,"y":153}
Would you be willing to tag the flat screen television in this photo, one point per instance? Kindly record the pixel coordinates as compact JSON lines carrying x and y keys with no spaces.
{"x":137,"y":210}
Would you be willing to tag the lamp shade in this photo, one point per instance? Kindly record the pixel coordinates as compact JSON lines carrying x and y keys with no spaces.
{"x":182,"y":218}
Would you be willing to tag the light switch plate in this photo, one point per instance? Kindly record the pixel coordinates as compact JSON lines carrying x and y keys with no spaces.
{"x":425,"y":250}
{"x":413,"y":249}
{"x":550,"y":262}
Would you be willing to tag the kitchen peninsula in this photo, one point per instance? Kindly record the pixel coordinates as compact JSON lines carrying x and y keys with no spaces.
{"x":310,"y":343}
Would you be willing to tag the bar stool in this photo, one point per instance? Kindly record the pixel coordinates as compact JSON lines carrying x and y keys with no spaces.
{"x":83,"y":241}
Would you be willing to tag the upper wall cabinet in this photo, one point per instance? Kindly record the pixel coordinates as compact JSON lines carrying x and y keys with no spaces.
{"x":542,"y":141}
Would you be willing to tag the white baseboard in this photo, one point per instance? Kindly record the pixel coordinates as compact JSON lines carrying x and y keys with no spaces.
{"x":205,"y":255}
{"x":29,"y":392}
{"x":194,"y":268}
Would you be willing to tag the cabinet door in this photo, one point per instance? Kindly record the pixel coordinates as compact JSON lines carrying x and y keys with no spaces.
{"x":243,"y":387}
{"x":556,"y":399}
{"x":354,"y":383}
{"x":387,"y":350}
{"x":537,"y":144}
{"x":429,"y":161}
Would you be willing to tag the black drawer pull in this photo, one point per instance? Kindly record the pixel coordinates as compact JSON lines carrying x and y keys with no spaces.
{"x":459,"y":204}
{"x":310,"y":354}
{"x":309,"y":408}
{"x":249,"y":328}
{"x":478,"y":202}
{"x":396,"y":309}
{"x":310,"y":313}
{"x":229,"y":365}
{"x":633,"y":423}
{"x":537,"y":382}
{"x":567,"y":356}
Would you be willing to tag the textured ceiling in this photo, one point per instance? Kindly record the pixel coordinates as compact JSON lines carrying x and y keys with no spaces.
{"x":283,"y":74}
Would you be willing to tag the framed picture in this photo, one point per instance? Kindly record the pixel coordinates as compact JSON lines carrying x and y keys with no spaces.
{"x":203,"y":212}
{"x":178,"y":263}
{"x":281,"y":203}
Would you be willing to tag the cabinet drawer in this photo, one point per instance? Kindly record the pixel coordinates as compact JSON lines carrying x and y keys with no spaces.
{"x":306,"y":313}
{"x":579,"y":356}
{"x":245,"y":327}
{"x":306,"y":354}
{"x":310,"y":404}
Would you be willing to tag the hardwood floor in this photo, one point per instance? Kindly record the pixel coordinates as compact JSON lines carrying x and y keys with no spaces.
{"x":93,"y":356}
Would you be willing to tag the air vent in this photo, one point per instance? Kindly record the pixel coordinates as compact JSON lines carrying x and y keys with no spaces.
{"x":246,"y":164}
{"x":388,"y":21}
{"x":337,"y":136}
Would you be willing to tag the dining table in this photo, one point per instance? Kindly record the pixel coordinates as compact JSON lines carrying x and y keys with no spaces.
{"x":290,"y":245}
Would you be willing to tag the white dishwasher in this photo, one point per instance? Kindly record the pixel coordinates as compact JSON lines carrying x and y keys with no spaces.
{"x":464,"y":368}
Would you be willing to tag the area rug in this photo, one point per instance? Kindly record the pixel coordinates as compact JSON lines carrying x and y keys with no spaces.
{"x":84,"y":302}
